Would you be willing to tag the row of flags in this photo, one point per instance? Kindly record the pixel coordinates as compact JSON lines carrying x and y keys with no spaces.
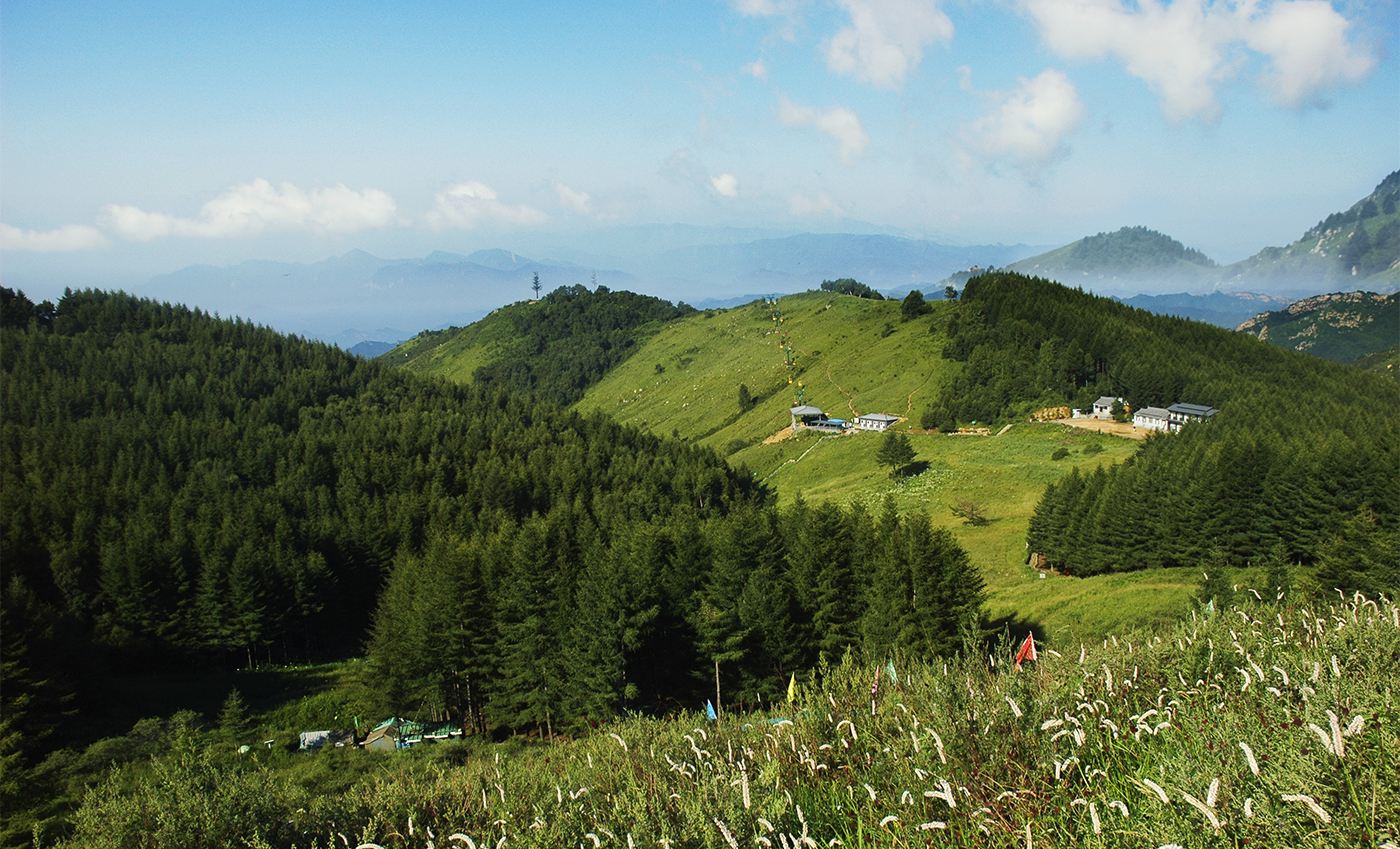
{"x":1026,"y":653}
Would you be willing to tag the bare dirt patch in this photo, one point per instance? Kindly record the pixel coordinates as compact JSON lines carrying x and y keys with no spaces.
{"x":785,"y":433}
{"x":1112,"y":428}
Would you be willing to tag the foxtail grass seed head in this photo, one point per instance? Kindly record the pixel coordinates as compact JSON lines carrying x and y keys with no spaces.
{"x":1249,"y":757}
{"x":1312,"y":805}
{"x":1203,"y":808}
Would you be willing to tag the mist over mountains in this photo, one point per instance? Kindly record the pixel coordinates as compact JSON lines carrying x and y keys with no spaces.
{"x":1357,"y":248}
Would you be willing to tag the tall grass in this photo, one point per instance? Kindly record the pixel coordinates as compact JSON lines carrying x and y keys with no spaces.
{"x":1261,"y":726}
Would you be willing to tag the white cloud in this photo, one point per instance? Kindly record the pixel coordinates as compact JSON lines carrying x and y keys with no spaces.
{"x":819,"y":204}
{"x":574,"y":200}
{"x":1028,"y":127}
{"x":1185,"y":48}
{"x":464,"y":206}
{"x":73,"y":237}
{"x":252,"y":208}
{"x":757,"y":69}
{"x":886,"y":39}
{"x":840,"y":123}
{"x":725,"y":185}
{"x":1306,"y":42}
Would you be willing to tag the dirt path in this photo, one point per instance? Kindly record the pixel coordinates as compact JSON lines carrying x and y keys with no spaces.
{"x":844,"y":393}
{"x":785,"y":433}
{"x":1112,"y":428}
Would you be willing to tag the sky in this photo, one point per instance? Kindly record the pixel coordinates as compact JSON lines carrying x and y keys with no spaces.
{"x":140,"y":137}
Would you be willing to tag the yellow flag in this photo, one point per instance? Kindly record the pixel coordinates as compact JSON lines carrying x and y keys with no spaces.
{"x":792,"y":688}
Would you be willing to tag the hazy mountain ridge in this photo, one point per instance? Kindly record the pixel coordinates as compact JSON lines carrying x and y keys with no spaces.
{"x":1342,"y":326}
{"x":1130,"y":259}
{"x":1357,"y":248}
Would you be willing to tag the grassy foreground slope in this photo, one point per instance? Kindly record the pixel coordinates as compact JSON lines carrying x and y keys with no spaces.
{"x":1260,"y":726}
{"x":853,"y":356}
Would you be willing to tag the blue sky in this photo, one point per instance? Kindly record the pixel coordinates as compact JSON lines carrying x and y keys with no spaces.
{"x":139,"y":137}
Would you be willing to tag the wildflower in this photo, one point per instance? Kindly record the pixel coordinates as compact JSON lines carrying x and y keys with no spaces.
{"x":889,"y":820}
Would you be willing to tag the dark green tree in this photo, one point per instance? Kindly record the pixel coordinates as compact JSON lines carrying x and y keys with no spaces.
{"x":895,"y":451}
{"x":746,"y":400}
{"x":233,"y":716}
{"x":913,"y":306}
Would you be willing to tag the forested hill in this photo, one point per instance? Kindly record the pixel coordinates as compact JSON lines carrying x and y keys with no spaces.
{"x":178,"y":486}
{"x":1343,"y":326}
{"x":1129,"y":260}
{"x":1302,"y":454}
{"x":555,"y":347}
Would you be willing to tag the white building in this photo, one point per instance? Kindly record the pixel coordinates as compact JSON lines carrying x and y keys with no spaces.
{"x":1151,"y":418}
{"x":1103,"y":408}
{"x":1182,"y":414}
{"x":875,"y":421}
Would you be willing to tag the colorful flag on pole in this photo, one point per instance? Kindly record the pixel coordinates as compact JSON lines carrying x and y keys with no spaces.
{"x":1027,"y":651}
{"x":792,"y":688}
{"x":710,"y":711}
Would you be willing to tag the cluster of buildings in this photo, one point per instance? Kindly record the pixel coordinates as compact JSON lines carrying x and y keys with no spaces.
{"x":812,"y":418}
{"x":391,"y":734}
{"x":1170,"y":419}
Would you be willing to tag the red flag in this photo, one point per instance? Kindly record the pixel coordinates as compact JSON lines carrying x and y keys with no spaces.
{"x":1027,"y":650}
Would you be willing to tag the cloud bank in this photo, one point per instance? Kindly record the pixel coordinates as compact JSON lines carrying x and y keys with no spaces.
{"x":258,"y":206}
{"x":74,"y":237}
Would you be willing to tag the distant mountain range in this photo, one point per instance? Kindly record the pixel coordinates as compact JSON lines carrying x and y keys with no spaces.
{"x":1343,"y":326}
{"x":322,"y":299}
{"x":722,"y":266}
{"x":1223,"y":309}
{"x":1358,"y":248}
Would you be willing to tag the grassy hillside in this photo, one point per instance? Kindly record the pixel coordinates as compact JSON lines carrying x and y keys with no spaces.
{"x":1006,"y":475}
{"x":848,"y":364}
{"x":457,"y":352}
{"x":853,"y":356}
{"x":554,"y":347}
{"x":1259,"y":726}
{"x":1345,"y":326}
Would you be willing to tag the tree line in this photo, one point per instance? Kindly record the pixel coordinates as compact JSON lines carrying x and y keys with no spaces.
{"x":553,"y":623}
{"x":177,"y":487}
{"x":1302,"y":451}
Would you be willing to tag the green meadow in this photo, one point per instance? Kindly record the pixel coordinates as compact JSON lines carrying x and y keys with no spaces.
{"x":852,"y":356}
